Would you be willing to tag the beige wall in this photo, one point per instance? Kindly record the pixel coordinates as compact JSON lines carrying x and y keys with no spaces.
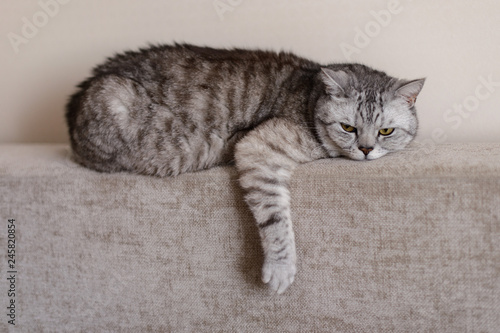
{"x":48,"y":46}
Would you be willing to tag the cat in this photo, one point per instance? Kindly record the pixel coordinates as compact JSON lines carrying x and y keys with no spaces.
{"x":172,"y":109}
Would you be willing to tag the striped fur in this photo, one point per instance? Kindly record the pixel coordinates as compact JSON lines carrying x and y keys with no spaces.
{"x":168,"y":110}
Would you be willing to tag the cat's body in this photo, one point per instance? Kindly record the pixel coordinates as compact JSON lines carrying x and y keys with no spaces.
{"x":168,"y":110}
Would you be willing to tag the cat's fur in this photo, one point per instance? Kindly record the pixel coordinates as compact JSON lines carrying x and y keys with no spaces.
{"x":167,"y":110}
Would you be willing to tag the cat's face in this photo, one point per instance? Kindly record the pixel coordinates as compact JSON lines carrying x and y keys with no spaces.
{"x":368,"y":117}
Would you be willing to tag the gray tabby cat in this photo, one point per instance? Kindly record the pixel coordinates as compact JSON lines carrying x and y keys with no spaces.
{"x":168,"y":110}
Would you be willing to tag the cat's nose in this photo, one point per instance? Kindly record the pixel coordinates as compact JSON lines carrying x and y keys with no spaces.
{"x":366,"y":150}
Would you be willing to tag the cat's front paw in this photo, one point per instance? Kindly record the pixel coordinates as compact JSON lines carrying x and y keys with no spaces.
{"x":279,"y":275}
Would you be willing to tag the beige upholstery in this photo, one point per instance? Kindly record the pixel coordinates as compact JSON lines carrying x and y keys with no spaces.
{"x":406,"y":243}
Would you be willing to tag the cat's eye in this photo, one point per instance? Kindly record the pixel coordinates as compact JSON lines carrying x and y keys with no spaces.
{"x":386,"y":131}
{"x":348,"y":128}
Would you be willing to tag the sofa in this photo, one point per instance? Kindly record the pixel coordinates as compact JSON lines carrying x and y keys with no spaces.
{"x":406,"y":243}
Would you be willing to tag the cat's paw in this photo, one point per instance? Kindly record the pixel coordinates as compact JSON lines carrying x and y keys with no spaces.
{"x":279,"y":275}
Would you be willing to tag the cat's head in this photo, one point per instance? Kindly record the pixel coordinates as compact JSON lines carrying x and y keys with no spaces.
{"x":363,"y":113}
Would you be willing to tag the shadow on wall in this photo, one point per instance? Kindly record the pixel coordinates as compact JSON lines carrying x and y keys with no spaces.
{"x":47,"y":123}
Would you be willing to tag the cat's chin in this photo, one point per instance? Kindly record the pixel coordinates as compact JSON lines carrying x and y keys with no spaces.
{"x":356,"y":157}
{"x":376,"y":154}
{"x":360,"y":156}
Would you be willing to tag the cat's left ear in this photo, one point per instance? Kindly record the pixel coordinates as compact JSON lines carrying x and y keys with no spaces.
{"x":410,"y":90}
{"x":336,"y":82}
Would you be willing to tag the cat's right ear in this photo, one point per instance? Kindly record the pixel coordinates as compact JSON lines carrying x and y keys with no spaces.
{"x":410,"y":90}
{"x":336,"y":82}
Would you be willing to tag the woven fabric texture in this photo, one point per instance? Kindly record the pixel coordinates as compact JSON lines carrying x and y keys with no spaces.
{"x":406,"y":243}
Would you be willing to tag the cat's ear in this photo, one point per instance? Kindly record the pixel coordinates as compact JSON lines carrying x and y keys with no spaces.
{"x":410,"y":90}
{"x":336,"y":82}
